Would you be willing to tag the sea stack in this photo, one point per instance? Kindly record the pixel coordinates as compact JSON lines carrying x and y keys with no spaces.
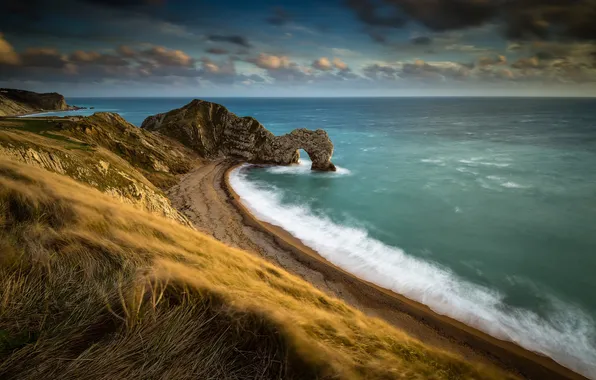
{"x":214,"y":132}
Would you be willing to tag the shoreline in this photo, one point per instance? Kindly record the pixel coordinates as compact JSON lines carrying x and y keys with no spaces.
{"x":240,"y":228}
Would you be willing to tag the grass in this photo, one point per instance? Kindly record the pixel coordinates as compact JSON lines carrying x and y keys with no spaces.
{"x":47,"y":128}
{"x":92,"y":288}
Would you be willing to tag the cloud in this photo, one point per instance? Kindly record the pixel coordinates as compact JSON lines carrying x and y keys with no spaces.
{"x":93,"y":57}
{"x":322,"y":63}
{"x":220,"y":72}
{"x":382,"y":72}
{"x":126,"y":51}
{"x":340,"y":65}
{"x":492,"y":61}
{"x":325,"y":64}
{"x":43,"y":57}
{"x":345,"y":52}
{"x":367,"y":11}
{"x":217,"y":51}
{"x":232,"y":39}
{"x":123,"y":64}
{"x":281,"y":69}
{"x":531,"y":19}
{"x":421,"y":40}
{"x":279,"y":17}
{"x":8,"y":55}
{"x":526,"y":63}
{"x":435,"y":70}
{"x":270,"y":62}
{"x":166,"y":57}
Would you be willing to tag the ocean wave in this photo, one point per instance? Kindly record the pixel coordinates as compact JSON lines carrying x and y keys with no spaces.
{"x":303,"y":168}
{"x":505,"y":183}
{"x":432,"y":160}
{"x":466,"y":170}
{"x":568,"y":334}
{"x":473,"y":162}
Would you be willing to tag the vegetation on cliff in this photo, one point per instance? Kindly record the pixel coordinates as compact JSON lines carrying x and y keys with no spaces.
{"x":93,"y":288}
{"x":103,"y":151}
{"x":19,"y":102}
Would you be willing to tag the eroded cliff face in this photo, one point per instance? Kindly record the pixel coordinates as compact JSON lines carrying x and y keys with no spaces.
{"x":214,"y":132}
{"x":100,"y":151}
{"x":18,"y":102}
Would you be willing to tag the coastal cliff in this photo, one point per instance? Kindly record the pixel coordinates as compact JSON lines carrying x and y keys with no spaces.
{"x":20,"y":102}
{"x":102,"y":151}
{"x":214,"y":132}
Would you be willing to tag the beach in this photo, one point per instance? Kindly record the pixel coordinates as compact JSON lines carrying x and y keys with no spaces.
{"x":205,"y":196}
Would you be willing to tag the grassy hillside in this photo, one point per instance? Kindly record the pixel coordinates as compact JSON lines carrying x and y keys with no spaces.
{"x":100,"y":151}
{"x":92,"y":288}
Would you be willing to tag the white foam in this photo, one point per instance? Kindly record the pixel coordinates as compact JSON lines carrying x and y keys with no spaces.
{"x":466,"y":170}
{"x":505,"y":183}
{"x":432,"y":160}
{"x":303,"y":168}
{"x":513,"y":185}
{"x":568,"y":336}
{"x":474,"y":162}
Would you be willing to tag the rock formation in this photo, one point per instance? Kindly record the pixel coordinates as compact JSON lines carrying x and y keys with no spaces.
{"x":18,"y":102}
{"x":214,"y":132}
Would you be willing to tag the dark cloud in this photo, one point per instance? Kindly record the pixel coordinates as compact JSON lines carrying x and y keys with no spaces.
{"x":279,"y":17}
{"x":217,"y":51}
{"x":123,"y":64}
{"x":371,"y":13}
{"x":381,"y":72}
{"x":529,"y":19}
{"x":43,"y":57}
{"x":95,"y":58}
{"x":495,"y":60}
{"x":443,"y":70}
{"x":167,"y":57}
{"x":422,"y":40}
{"x":126,"y":3}
{"x":232,"y":39}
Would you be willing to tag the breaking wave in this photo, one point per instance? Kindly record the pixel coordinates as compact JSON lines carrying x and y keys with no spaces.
{"x":303,"y":168}
{"x":567,"y":334}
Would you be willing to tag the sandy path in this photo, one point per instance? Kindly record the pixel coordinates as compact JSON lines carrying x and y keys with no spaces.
{"x":205,"y":198}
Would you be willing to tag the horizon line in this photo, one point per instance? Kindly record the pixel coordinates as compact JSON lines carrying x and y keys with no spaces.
{"x":340,"y":97}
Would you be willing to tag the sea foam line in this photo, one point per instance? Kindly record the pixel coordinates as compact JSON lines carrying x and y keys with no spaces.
{"x":568,"y":336}
{"x":303,"y":168}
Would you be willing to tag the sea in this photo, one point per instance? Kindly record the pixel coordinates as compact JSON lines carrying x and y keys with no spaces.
{"x":484,"y":209}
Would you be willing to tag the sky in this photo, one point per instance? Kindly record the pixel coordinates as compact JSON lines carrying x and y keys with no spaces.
{"x":299,"y":48}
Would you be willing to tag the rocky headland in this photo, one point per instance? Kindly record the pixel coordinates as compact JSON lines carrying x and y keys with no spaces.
{"x":214,"y":133}
{"x":20,"y":102}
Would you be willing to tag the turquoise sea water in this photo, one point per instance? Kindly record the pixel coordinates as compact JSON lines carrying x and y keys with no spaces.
{"x":483,"y":209}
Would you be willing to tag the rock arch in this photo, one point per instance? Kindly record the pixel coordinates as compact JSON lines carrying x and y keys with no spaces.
{"x":284,"y":150}
{"x":214,"y":132}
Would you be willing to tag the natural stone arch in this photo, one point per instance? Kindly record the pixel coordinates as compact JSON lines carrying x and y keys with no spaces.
{"x":318,"y":146}
{"x":214,"y":132}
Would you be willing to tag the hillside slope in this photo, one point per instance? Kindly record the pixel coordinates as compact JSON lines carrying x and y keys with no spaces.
{"x":93,"y":288}
{"x":19,"y":102}
{"x":103,"y":151}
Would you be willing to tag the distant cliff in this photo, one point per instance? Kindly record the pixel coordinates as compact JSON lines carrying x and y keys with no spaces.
{"x":214,"y":132}
{"x":19,"y":102}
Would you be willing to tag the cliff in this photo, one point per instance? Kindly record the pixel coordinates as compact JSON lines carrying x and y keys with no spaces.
{"x":103,"y":151}
{"x":214,"y":132}
{"x":19,"y":102}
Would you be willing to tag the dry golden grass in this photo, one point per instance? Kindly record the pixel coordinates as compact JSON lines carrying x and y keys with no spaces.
{"x":94,"y":289}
